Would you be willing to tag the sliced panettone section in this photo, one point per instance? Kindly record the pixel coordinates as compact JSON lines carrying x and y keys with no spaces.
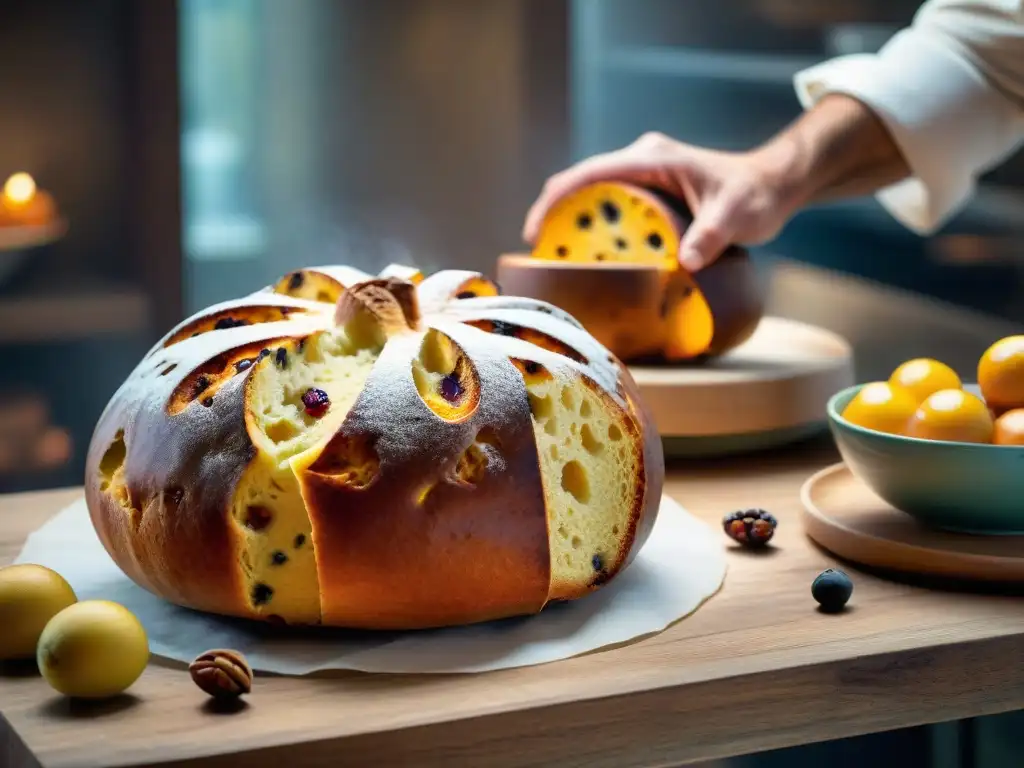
{"x":297,"y":395}
{"x":642,"y":304}
{"x":592,"y":467}
{"x":611,"y":221}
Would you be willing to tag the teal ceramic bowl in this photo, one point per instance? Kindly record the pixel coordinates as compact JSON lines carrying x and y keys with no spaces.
{"x":963,"y":487}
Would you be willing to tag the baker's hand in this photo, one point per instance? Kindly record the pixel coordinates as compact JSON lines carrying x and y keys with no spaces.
{"x":736,"y":198}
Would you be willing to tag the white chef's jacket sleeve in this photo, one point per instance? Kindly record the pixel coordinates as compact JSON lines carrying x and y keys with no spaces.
{"x":950,"y":89}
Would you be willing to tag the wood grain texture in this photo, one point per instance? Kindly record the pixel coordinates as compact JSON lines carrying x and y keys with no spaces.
{"x":756,"y":668}
{"x":781,"y":377}
{"x":846,"y":517}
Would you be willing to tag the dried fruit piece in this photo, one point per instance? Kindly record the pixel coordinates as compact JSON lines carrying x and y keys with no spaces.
{"x":223,"y":674}
{"x":316,"y":402}
{"x":750,"y":527}
{"x":450,"y":388}
{"x":832,"y":590}
{"x":261,"y":594}
{"x":229,"y":322}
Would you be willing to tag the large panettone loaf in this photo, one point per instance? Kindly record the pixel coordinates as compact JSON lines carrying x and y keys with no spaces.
{"x":377,"y":452}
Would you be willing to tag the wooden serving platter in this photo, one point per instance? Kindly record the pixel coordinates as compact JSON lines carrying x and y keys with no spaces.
{"x":769,"y":390}
{"x":848,"y":519}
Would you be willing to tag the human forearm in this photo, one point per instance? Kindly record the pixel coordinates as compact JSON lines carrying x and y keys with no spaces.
{"x":840,"y":148}
{"x":950,"y":91}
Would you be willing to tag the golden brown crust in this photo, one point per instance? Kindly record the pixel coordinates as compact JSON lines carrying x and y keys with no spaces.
{"x":174,"y":537}
{"x":423,"y":512}
{"x":415,"y":547}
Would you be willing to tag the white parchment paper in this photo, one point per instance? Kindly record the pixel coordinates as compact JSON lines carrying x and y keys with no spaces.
{"x":681,"y":566}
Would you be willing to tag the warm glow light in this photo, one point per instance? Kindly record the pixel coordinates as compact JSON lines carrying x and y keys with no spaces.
{"x":19,"y":188}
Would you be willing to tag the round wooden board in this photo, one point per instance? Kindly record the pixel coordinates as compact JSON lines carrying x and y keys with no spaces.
{"x":846,"y":517}
{"x":777,"y":383}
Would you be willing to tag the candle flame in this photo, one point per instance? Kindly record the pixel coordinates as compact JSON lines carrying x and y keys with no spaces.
{"x":20,"y":188}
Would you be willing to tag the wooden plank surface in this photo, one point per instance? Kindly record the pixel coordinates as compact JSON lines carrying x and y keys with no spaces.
{"x":756,"y":668}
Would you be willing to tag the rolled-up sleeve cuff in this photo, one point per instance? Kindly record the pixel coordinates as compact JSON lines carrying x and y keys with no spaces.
{"x":949,"y":124}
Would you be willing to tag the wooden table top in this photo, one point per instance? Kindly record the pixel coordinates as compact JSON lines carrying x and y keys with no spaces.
{"x":756,"y":668}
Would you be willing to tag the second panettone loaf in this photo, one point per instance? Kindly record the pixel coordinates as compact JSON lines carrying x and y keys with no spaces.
{"x":382,"y":452}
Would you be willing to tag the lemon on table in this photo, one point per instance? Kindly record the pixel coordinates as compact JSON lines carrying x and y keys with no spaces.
{"x":882,"y":407}
{"x":924,"y":376}
{"x":1001,"y":374}
{"x":30,"y":595}
{"x":93,"y":649}
{"x":952,"y":415}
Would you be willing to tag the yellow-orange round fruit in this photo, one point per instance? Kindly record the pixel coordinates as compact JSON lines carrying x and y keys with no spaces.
{"x":1009,"y":428}
{"x":93,"y":649}
{"x":924,"y":376}
{"x":882,"y":407}
{"x":30,"y":595}
{"x":1001,"y":374}
{"x":952,"y":415}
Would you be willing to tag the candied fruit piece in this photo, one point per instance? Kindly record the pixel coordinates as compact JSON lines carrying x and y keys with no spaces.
{"x":316,"y":402}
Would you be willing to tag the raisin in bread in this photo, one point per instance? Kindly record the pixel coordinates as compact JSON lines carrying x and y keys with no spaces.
{"x":608,"y":254}
{"x":384,"y":452}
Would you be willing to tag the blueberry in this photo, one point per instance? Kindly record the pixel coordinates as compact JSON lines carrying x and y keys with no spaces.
{"x":832,"y":590}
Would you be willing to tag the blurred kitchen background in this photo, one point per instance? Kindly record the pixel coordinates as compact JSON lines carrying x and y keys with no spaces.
{"x":199,"y":149}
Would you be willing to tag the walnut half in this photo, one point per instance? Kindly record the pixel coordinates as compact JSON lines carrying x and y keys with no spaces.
{"x":224,"y":674}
